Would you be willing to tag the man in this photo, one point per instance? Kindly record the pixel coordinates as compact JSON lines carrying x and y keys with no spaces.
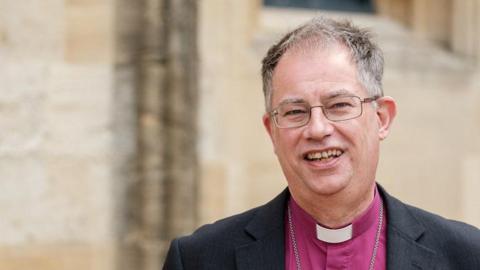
{"x":326,"y":116}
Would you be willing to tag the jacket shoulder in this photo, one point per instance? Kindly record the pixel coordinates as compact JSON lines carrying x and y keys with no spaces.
{"x":436,"y":229}
{"x":233,"y":229}
{"x":450,"y":238}
{"x":230,"y":228}
{"x":213,"y":246}
{"x":455,"y":245}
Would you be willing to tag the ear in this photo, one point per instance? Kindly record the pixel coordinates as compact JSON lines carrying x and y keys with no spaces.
{"x":270,"y":128}
{"x":386,"y":111}
{"x":267,"y":123}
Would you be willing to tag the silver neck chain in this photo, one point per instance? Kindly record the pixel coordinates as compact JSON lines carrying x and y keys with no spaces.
{"x":375,"y":247}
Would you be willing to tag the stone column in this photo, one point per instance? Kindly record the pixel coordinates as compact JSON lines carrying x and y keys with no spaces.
{"x":431,"y":19}
{"x":157,"y":45}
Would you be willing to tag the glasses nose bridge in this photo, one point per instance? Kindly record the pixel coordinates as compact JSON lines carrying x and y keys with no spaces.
{"x":322,"y":108}
{"x":318,"y":125}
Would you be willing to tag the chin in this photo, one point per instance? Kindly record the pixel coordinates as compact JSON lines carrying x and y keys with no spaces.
{"x":328,"y":187}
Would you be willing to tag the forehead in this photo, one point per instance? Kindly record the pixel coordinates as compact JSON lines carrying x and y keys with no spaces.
{"x":315,"y":73}
{"x":327,"y":95}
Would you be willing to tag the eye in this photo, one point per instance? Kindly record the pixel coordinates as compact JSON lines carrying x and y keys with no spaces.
{"x":293,"y":112}
{"x":340,"y":105}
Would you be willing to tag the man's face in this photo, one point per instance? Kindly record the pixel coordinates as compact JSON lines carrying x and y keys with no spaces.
{"x":315,"y":75}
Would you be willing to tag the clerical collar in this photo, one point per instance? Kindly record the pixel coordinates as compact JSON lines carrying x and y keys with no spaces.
{"x":334,"y":236}
{"x":357,"y":227}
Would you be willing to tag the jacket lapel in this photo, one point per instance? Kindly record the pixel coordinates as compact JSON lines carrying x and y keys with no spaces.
{"x":404,"y":253}
{"x":266,"y":229}
{"x":404,"y":250}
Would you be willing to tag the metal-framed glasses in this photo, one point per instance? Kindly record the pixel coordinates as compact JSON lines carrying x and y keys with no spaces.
{"x":298,"y":113}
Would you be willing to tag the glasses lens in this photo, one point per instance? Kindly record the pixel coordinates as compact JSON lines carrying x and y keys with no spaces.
{"x":292,"y":114}
{"x":343,"y":108}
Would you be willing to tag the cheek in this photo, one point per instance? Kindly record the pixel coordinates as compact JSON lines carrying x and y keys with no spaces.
{"x":362,"y":137}
{"x":370,"y":143}
{"x":285,"y":142}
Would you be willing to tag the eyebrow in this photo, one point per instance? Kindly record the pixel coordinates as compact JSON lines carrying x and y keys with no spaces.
{"x":337,"y":93}
{"x":333,"y":94}
{"x":292,"y":100}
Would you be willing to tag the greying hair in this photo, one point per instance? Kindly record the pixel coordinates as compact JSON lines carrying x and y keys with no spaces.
{"x":319,"y":33}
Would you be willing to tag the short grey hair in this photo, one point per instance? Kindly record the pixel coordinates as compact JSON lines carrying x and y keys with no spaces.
{"x":321,"y":32}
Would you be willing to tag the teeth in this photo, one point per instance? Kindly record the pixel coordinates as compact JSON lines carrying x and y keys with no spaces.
{"x":324,"y":154}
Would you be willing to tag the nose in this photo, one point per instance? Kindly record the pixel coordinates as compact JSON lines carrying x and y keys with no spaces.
{"x":319,"y":126}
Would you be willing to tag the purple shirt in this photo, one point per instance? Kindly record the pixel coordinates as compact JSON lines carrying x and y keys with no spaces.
{"x":355,"y":253}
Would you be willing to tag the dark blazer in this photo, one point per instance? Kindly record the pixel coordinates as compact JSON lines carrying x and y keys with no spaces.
{"x":254,"y":240}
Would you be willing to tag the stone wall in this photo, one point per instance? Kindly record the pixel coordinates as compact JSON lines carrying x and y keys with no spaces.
{"x":98,"y":134}
{"x":451,"y":26}
{"x":237,"y":168}
{"x":57,"y":138}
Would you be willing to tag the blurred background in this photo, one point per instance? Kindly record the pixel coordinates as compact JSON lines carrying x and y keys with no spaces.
{"x":126,"y":123}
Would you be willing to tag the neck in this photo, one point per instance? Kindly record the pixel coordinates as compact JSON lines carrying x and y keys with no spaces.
{"x":337,"y":210}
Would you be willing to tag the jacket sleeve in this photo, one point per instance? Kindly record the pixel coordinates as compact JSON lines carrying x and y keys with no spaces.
{"x":174,"y":259}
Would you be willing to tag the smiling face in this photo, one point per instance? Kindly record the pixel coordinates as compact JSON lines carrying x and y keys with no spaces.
{"x":325,"y":158}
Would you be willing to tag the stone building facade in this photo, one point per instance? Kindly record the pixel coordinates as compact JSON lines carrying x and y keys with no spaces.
{"x":125,"y":123}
